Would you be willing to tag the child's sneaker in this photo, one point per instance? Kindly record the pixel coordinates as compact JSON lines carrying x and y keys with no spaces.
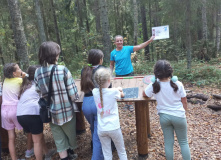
{"x":72,"y":156}
{"x":50,"y":153}
{"x":29,"y":153}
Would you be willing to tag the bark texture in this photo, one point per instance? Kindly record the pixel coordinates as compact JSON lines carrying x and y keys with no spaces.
{"x":19,"y":34}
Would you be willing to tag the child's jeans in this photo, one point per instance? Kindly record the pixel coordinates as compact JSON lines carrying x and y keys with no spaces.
{"x":169,"y":124}
{"x":90,"y":112}
{"x":117,"y":138}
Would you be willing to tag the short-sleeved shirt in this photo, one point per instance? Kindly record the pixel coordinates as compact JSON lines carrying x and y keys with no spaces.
{"x":28,"y":102}
{"x":63,"y":89}
{"x":110,"y":119}
{"x":10,"y":91}
{"x":122,"y":60}
{"x":168,"y":101}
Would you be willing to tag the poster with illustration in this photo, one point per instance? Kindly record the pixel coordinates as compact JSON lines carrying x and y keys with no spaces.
{"x":161,"y":32}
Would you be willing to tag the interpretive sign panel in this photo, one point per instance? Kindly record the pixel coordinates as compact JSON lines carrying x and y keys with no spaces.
{"x":160,"y":32}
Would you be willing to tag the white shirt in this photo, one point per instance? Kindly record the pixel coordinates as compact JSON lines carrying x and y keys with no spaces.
{"x":28,"y":103}
{"x":110,"y":119}
{"x":168,"y":101}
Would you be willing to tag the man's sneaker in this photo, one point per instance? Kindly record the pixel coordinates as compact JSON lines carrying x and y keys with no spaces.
{"x":72,"y":156}
{"x":29,"y":153}
{"x":50,"y":153}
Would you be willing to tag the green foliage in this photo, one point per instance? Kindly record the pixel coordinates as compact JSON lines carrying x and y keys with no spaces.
{"x":201,"y":73}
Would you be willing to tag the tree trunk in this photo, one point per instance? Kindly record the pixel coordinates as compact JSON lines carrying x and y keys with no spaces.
{"x":215,"y":12}
{"x":44,"y":12}
{"x":156,"y":17}
{"x":86,"y":17}
{"x":56,"y":27}
{"x":218,"y":25}
{"x":135,"y":21}
{"x":204,"y":20}
{"x":144,"y":29}
{"x":40,"y":21}
{"x":80,"y":14}
{"x":199,"y":29}
{"x":97,"y":16}
{"x":105,"y":30}
{"x":150,"y":17}
{"x":188,"y":34}
{"x":19,"y":34}
{"x":1,"y":56}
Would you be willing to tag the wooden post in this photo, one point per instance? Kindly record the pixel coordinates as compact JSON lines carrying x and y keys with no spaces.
{"x":148,"y":120}
{"x":80,"y":123}
{"x":141,"y":108}
{"x":3,"y":132}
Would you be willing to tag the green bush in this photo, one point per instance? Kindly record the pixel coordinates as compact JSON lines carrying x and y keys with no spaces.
{"x":200,"y":74}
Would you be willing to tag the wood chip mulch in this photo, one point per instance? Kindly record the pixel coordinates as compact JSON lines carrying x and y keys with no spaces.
{"x":204,"y":134}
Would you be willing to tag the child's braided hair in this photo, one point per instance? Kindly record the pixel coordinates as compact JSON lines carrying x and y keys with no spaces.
{"x":101,"y":77}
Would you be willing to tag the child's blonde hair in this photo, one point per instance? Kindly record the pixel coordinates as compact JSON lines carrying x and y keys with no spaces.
{"x":101,"y":77}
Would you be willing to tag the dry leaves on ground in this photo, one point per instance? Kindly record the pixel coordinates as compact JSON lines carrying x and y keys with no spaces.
{"x":204,"y":133}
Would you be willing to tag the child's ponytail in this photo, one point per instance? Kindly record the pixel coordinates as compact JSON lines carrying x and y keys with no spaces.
{"x":86,"y":79}
{"x":173,"y":85}
{"x":27,"y":80}
{"x":156,"y":87}
{"x":95,"y":56}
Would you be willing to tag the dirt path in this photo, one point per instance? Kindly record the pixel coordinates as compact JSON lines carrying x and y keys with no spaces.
{"x":204,"y":133}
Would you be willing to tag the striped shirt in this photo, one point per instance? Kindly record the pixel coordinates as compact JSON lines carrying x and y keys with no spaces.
{"x":63,"y":89}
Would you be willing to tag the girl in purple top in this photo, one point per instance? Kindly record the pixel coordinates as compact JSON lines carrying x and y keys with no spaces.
{"x":29,"y":119}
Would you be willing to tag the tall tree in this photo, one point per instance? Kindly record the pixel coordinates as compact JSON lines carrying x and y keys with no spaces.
{"x":204,"y":20}
{"x":19,"y":34}
{"x":188,"y":34}
{"x":97,"y":16}
{"x":105,"y":29}
{"x":56,"y":24}
{"x":144,"y":29}
{"x":80,"y":13}
{"x":135,"y":21}
{"x":86,"y":15}
{"x":150,"y":17}
{"x":1,"y":56}
{"x":218,"y":26}
{"x":40,"y":21}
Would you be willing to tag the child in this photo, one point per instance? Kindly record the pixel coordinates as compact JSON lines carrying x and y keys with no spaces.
{"x":11,"y":88}
{"x":171,"y":106}
{"x":64,"y":94}
{"x":95,"y":60}
{"x":28,"y":116}
{"x":107,"y":114}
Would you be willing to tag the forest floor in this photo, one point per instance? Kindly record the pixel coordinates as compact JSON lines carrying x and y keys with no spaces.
{"x":204,"y":133}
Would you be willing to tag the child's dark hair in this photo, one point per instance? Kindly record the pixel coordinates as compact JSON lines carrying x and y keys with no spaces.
{"x":48,"y":53}
{"x":27,"y":81}
{"x":94,"y":57}
{"x":8,"y":70}
{"x":163,"y":69}
{"x":101,"y":77}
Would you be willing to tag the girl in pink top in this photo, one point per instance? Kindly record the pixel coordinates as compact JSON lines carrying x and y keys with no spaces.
{"x":10,"y":92}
